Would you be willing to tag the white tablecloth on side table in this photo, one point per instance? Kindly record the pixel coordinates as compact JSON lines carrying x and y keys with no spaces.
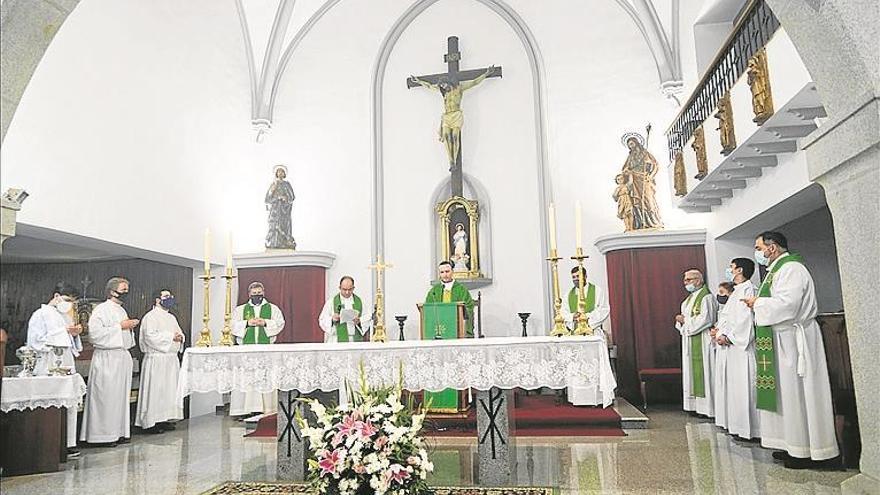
{"x":31,"y":392}
{"x":433,"y":365}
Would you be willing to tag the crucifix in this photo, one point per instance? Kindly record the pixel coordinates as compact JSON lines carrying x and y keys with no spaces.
{"x":451,"y":85}
{"x":379,"y":319}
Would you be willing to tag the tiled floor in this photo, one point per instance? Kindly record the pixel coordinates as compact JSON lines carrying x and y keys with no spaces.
{"x":676,"y":454}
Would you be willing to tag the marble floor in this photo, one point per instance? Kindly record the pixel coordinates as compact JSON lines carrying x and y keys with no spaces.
{"x":675,"y":454}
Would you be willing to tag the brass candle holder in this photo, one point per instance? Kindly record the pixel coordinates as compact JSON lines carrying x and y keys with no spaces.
{"x":559,"y":328}
{"x":582,"y":323}
{"x":205,"y":335}
{"x":226,"y":336}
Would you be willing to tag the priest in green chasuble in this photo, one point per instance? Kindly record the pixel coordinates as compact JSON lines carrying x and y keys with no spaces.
{"x":595,"y":303}
{"x":450,"y":290}
{"x":255,"y":322}
{"x":340,"y":319}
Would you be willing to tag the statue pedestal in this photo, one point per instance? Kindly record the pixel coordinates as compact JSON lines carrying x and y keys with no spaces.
{"x":295,"y":281}
{"x":645,"y":292}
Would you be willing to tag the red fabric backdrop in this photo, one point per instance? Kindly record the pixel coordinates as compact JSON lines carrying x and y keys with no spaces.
{"x":298,"y":291}
{"x":645,"y":292}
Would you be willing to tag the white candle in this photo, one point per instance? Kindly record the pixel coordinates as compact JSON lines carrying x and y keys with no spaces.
{"x":552,"y":221}
{"x":577,"y":227}
{"x":207,"y":250}
{"x":229,"y":250}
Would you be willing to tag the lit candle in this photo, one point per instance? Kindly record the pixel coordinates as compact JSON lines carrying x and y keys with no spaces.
{"x":229,"y":250}
{"x":552,"y":215}
{"x":577,"y":227}
{"x":207,"y":250}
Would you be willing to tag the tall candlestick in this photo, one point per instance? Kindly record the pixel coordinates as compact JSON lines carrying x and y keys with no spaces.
{"x":228,"y":251}
{"x":577,"y":229}
{"x":552,"y":221}
{"x":207,"y":250}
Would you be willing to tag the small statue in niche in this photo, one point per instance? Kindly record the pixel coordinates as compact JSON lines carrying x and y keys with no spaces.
{"x":279,"y":203}
{"x":759,"y":84}
{"x":679,"y":176}
{"x":460,"y":257}
{"x":725,"y":125}
{"x":699,"y":146}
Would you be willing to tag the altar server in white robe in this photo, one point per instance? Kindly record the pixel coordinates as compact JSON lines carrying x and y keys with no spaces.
{"x":734,"y":391}
{"x":698,"y":313}
{"x":53,"y":326}
{"x":161,"y":339}
{"x":802,"y":425}
{"x":255,"y":322}
{"x":107,"y":417}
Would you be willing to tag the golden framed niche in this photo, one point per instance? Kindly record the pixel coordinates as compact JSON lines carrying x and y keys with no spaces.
{"x":458,"y":236}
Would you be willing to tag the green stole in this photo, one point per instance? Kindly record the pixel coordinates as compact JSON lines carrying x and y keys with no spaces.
{"x":589,"y":299}
{"x":342,"y":328}
{"x":256,"y":335}
{"x":765,"y":355}
{"x":698,"y":378}
{"x":459,"y":294}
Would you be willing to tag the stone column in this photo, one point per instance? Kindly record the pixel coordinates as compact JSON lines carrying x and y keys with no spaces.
{"x":838,"y":42}
{"x":292,"y":447}
{"x":495,"y":437}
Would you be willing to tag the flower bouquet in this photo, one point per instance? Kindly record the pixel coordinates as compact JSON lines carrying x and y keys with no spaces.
{"x":371,"y":445}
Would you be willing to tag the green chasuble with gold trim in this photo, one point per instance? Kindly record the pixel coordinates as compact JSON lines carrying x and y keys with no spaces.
{"x":589,"y":298}
{"x":256,"y":335}
{"x":342,"y":328}
{"x":447,"y":400}
{"x":698,"y":378}
{"x":765,"y":353}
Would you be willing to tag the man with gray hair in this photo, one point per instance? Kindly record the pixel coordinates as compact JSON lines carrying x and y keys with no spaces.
{"x":257,"y":321}
{"x":697,"y":317}
{"x":106,"y":415}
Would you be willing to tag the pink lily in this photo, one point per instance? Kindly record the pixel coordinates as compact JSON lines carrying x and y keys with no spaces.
{"x":329,"y":462}
{"x":398,"y":473}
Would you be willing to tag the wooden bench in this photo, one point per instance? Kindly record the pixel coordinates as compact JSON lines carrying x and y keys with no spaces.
{"x":656,"y":375}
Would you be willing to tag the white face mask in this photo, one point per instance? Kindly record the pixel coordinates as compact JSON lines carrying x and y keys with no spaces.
{"x":64,"y":307}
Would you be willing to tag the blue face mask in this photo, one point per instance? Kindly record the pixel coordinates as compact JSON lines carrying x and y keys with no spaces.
{"x":728,"y":274}
{"x":690,"y":287}
{"x":760,"y":258}
{"x":167,"y":303}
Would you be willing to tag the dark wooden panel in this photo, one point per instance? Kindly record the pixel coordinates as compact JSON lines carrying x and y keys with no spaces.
{"x":24,"y":287}
{"x":33,"y":441}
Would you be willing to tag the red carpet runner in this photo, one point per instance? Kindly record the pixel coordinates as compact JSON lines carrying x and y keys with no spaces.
{"x":536,"y":416}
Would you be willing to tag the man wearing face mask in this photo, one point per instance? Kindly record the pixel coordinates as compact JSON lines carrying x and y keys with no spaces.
{"x":793,"y":389}
{"x":255,"y":322}
{"x":53,"y":326}
{"x":735,"y":356}
{"x":106,"y":418}
{"x":161,"y":339}
{"x":697,"y":317}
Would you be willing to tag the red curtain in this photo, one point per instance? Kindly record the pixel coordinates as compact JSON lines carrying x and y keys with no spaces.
{"x":298,"y":291}
{"x":645,"y":292}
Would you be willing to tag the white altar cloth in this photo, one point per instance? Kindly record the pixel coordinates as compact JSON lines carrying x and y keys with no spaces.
{"x":433,"y":365}
{"x":31,"y":392}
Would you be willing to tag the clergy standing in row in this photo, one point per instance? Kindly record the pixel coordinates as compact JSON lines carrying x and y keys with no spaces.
{"x":595,"y":304}
{"x":734,"y":391}
{"x":161,"y":339}
{"x":698,"y":313}
{"x":255,"y":322}
{"x":106,"y":418}
{"x":336,"y":327}
{"x":794,"y":391}
{"x":53,"y":326}
{"x":451,"y":290}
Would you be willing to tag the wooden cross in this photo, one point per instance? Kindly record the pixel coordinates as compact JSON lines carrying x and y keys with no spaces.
{"x":764,"y":362}
{"x":454,"y":77}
